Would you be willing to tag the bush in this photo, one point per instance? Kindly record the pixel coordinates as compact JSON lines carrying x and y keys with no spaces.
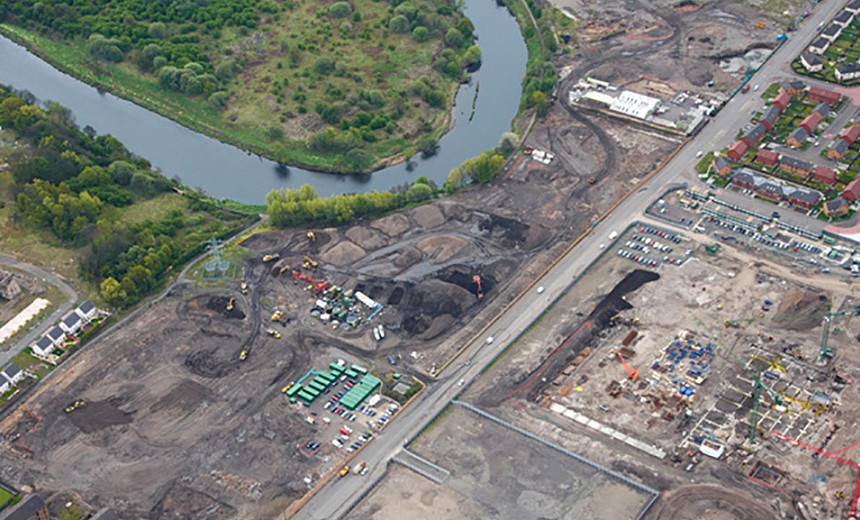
{"x":399,"y":24}
{"x":454,"y":38}
{"x":219,"y":99}
{"x":324,"y":65}
{"x":104,"y":49}
{"x":508,"y":142}
{"x":340,"y":10}
{"x":421,"y":34}
{"x":275,"y":133}
{"x":406,"y":9}
{"x":225,"y":70}
{"x":358,"y":159}
{"x":158,"y":30}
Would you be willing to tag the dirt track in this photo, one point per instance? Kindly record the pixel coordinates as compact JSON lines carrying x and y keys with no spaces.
{"x":710,"y":502}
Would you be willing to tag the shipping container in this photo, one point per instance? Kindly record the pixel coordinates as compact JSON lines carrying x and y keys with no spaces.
{"x":360,"y":370}
{"x":629,"y":338}
{"x":294,"y":390}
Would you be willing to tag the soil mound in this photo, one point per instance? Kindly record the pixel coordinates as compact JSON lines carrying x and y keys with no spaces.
{"x":342,"y":254}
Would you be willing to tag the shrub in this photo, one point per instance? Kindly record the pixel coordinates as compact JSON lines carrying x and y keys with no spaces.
{"x":157,"y":30}
{"x":421,"y":34}
{"x":324,"y":65}
{"x":454,"y":38}
{"x":399,"y":24}
{"x":340,"y":10}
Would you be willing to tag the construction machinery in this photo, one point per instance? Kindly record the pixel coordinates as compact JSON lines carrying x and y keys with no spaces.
{"x":269,"y":258}
{"x":243,"y":355}
{"x":592,"y":180}
{"x":231,"y":303}
{"x":317,"y":286}
{"x":632,"y":373}
{"x":276,"y":316}
{"x":244,"y":288}
{"x":309,"y":263}
{"x":344,"y":471}
{"x":311,"y":236}
{"x":275,"y":334}
{"x":760,"y":24}
{"x":477,"y":280}
{"x":284,"y":269}
{"x":284,"y":389}
{"x":80,"y":403}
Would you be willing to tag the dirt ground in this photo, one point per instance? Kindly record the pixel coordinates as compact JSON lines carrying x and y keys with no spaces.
{"x":497,"y":473}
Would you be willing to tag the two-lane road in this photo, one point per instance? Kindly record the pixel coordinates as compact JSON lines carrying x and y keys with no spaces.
{"x":335,"y":499}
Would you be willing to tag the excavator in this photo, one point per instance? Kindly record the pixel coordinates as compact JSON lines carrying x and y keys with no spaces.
{"x":632,"y":373}
{"x":311,"y":236}
{"x":309,"y":263}
{"x":231,"y":303}
{"x":477,"y":280}
{"x":244,"y":288}
{"x":269,"y":258}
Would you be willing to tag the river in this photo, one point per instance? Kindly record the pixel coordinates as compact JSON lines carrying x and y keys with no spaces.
{"x":224,"y":171}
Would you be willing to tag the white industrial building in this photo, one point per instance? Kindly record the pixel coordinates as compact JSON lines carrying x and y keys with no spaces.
{"x":635,"y":105}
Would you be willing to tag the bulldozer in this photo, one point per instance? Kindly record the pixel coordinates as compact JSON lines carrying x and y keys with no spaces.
{"x":269,"y":258}
{"x":231,"y":304}
{"x":80,"y":403}
{"x":284,"y":269}
{"x":276,"y":316}
{"x":310,"y":263}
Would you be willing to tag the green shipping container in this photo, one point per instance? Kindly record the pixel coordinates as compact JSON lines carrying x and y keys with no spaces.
{"x":294,"y":390}
{"x":307,"y":397}
{"x":360,"y":370}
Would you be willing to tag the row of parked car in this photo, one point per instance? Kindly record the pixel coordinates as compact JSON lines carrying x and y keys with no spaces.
{"x":668,"y":235}
{"x":649,"y":242}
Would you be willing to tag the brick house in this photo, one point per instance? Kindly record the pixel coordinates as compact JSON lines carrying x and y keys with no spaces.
{"x":824,"y":175}
{"x":852,"y":191}
{"x":722,"y":166}
{"x":782,"y":100}
{"x":766,"y":157}
{"x":769,"y":189}
{"x":795,"y":166}
{"x":838,"y":150}
{"x":800,"y":197}
{"x":770,"y":115}
{"x":836,"y":207}
{"x":737,"y":150}
{"x":850,"y":134}
{"x":792,"y":87}
{"x":796,"y":138}
{"x":811,"y":122}
{"x":822,"y":109}
{"x":823,"y":95}
{"x":744,"y":179}
{"x":754,"y":134}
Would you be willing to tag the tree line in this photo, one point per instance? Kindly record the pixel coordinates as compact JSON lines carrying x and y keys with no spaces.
{"x":74,"y":185}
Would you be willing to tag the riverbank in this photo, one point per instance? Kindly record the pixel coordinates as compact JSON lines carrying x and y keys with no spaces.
{"x":124,"y":81}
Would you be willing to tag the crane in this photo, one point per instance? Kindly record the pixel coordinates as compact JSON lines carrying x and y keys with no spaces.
{"x":632,"y":373}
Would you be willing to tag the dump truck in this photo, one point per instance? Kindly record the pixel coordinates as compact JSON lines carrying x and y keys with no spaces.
{"x":275,"y":334}
{"x":269,"y":258}
{"x":277,"y":315}
{"x":243,"y":355}
{"x":244,"y":288}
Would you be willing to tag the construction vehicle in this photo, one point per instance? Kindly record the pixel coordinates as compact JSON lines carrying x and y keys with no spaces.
{"x":276,"y":316}
{"x":344,"y":471}
{"x":244,"y":288}
{"x":284,"y":269}
{"x":603,"y":407}
{"x":80,"y":403}
{"x":310,"y":263}
{"x":760,"y":24}
{"x":243,"y":355}
{"x":311,"y":236}
{"x":269,"y":258}
{"x":284,"y":389}
{"x":592,"y":180}
{"x":477,"y":280}
{"x":275,"y":334}
{"x":632,"y":373}
{"x":230,"y":304}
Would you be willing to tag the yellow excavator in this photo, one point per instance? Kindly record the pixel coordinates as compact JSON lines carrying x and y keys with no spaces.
{"x":243,"y":355}
{"x":231,"y":303}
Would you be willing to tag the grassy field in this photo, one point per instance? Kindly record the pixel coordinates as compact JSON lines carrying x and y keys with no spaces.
{"x":5,"y":497}
{"x":275,"y":99}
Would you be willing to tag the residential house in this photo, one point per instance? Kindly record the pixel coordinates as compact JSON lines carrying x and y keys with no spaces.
{"x":87,"y":310}
{"x":770,"y":115}
{"x":105,"y":513}
{"x":782,"y":100}
{"x":56,"y":335}
{"x":795,"y":166}
{"x":800,"y":197}
{"x":744,"y":178}
{"x":836,"y":207}
{"x":71,"y":323}
{"x":792,"y":87}
{"x":824,"y":175}
{"x":823,"y":109}
{"x":851,"y":133}
{"x":766,"y":157}
{"x":42,"y":347}
{"x":4,"y":385}
{"x":737,"y":150}
{"x":796,"y":138}
{"x":811,"y":62}
{"x":769,"y":189}
{"x":847,"y":72}
{"x":823,"y":95}
{"x":754,"y":134}
{"x":811,"y":122}
{"x":31,"y":507}
{"x":12,"y":373}
{"x":722,"y":166}
{"x":838,"y":150}
{"x":819,"y":46}
{"x":832,"y":32}
{"x":852,"y":191}
{"x":853,"y":7}
{"x":844,"y":18}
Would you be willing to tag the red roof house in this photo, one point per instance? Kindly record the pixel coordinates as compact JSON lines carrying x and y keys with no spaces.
{"x":737,"y":150}
{"x":823,"y":95}
{"x":852,"y":191}
{"x":824,"y":175}
{"x":782,"y":100}
{"x":768,"y":157}
{"x":851,"y":133}
{"x":811,"y":121}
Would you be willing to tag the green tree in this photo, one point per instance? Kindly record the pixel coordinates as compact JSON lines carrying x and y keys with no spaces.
{"x":419,"y":192}
{"x":324,"y":65}
{"x":157,"y":30}
{"x":340,"y":10}
{"x":113,"y":293}
{"x":275,"y":132}
{"x":454,"y":38}
{"x":358,"y":159}
{"x":508,"y":142}
{"x":399,"y":24}
{"x":421,"y":34}
{"x":539,"y":103}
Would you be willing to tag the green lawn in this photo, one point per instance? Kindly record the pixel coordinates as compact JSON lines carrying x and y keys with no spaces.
{"x":5,"y":497}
